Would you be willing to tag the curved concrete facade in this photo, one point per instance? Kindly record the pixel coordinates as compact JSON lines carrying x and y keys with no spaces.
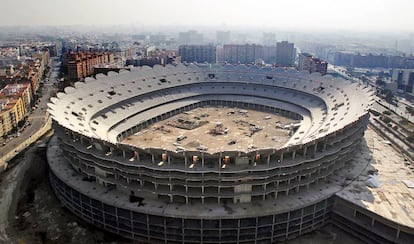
{"x":261,"y":194}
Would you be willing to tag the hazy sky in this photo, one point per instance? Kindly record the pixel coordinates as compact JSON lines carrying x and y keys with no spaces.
{"x":286,"y":14}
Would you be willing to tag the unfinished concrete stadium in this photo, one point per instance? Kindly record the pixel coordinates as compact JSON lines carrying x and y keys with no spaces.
{"x":209,"y":154}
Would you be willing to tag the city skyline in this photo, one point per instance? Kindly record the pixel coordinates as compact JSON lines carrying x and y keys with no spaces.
{"x":298,"y":14}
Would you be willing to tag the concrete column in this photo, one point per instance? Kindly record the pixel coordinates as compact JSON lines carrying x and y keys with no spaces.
{"x":315,"y":149}
{"x":202,"y":159}
{"x":219,"y":161}
{"x":293,"y":154}
{"x":281,"y":157}
{"x":397,"y":236}
{"x":268,"y":159}
{"x":305,"y":151}
{"x":153,"y":158}
{"x":185,"y":160}
{"x":169,"y":160}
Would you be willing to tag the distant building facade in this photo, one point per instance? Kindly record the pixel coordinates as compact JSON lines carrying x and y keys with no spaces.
{"x":244,"y":54}
{"x":312,"y":64}
{"x":80,"y":64}
{"x":190,"y":37}
{"x":269,"y":39}
{"x":372,"y":60}
{"x":223,"y":37}
{"x":197,"y":53}
{"x":285,"y":54}
{"x":155,"y":57}
{"x":404,"y":79}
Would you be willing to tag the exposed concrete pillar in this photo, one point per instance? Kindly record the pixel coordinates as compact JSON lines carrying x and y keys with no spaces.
{"x":305,"y":151}
{"x":281,"y":157}
{"x":268,"y":159}
{"x":219,"y":160}
{"x":293,"y":154}
{"x":397,"y":236}
{"x":315,"y":149}
{"x":185,"y":160}
{"x":153,"y":158}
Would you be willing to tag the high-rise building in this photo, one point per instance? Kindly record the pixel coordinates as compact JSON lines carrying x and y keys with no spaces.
{"x":197,"y":53}
{"x":269,"y":39}
{"x":285,"y":53}
{"x":223,"y":37}
{"x":404,"y":79}
{"x":312,"y":64}
{"x":80,"y":64}
{"x":190,"y":37}
{"x":244,"y":54}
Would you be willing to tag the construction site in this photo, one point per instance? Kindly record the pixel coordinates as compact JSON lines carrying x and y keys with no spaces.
{"x":215,"y":129}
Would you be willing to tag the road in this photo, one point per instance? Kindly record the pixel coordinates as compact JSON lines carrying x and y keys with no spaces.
{"x":37,"y":117}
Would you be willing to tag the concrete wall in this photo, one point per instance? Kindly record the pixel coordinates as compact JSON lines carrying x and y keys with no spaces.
{"x":4,"y":160}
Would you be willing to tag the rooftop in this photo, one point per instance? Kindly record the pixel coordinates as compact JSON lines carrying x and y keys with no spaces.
{"x":384,"y":186}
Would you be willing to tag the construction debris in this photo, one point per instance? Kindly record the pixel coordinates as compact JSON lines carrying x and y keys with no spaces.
{"x":187,"y":124}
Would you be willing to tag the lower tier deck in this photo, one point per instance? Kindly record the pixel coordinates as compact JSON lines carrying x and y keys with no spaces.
{"x":348,"y":196}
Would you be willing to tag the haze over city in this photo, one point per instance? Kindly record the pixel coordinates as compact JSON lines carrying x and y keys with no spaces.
{"x":371,"y":15}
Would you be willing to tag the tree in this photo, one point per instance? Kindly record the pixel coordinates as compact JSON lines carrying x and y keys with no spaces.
{"x":410,"y":137}
{"x":386,"y":119}
{"x":388,"y":96}
{"x":410,"y":110}
{"x":380,"y":82}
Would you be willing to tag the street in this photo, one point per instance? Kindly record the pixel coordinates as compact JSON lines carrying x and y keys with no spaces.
{"x":37,"y":117}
